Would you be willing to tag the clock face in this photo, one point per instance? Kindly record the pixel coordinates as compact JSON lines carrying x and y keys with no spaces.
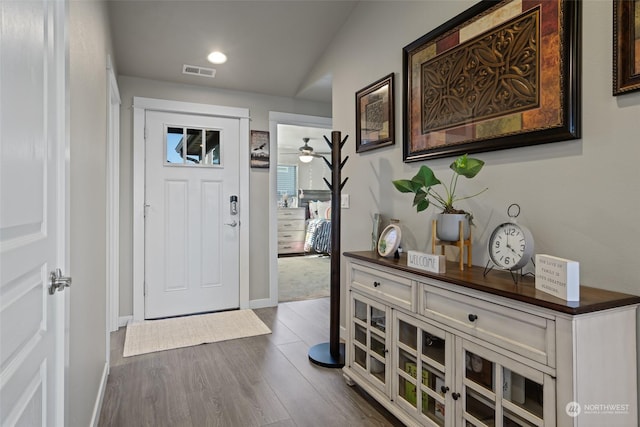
{"x":510,"y":246}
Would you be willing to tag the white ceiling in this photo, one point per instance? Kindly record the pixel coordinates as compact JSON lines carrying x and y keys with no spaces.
{"x":272,"y":46}
{"x":290,"y":139}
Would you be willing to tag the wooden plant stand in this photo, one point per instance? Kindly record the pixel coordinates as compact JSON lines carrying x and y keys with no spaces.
{"x":461,"y":243}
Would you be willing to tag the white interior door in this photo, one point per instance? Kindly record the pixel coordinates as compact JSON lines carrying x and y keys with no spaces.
{"x":33,"y":200}
{"x":191,"y":232}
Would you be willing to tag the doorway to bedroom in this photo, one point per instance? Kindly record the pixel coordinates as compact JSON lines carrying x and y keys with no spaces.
{"x":303,"y":202}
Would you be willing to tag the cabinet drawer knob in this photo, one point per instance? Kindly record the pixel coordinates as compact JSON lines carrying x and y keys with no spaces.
{"x":444,"y":389}
{"x":376,"y":284}
{"x":455,"y":396}
{"x":473,"y":318}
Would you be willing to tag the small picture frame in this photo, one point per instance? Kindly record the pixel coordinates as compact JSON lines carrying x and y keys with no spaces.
{"x":375,"y":115}
{"x":259,"y":149}
{"x":389,"y":241}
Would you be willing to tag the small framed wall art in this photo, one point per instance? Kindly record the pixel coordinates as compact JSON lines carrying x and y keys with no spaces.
{"x":259,"y":149}
{"x":626,"y":46}
{"x":375,"y":115}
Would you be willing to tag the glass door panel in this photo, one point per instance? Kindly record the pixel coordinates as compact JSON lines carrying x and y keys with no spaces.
{"x":407,"y":334}
{"x":378,"y":319}
{"x":360,"y":357}
{"x":377,"y":368}
{"x":369,"y":339}
{"x":431,"y":377}
{"x":407,"y":363}
{"x":432,"y":409}
{"x":360,"y":310}
{"x":407,"y":390}
{"x":479,"y":370}
{"x":360,"y":335}
{"x":378,"y":345}
{"x":433,"y":347}
{"x":512,"y":420}
{"x":523,"y":392}
{"x":479,"y":407}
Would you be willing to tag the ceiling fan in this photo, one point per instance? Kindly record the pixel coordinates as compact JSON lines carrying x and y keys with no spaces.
{"x":306,"y":153}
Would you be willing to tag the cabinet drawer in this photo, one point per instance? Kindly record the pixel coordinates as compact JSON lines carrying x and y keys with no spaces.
{"x":291,"y":236}
{"x":515,"y":330}
{"x":290,"y":247}
{"x":291,"y":213}
{"x":290,"y":224}
{"x":390,"y":288}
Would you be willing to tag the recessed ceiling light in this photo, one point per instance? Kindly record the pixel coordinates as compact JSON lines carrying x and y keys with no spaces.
{"x":217,"y":57}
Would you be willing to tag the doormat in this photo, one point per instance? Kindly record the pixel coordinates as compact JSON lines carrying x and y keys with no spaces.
{"x":165,"y":334}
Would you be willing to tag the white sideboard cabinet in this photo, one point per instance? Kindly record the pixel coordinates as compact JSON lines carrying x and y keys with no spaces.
{"x":465,"y":349}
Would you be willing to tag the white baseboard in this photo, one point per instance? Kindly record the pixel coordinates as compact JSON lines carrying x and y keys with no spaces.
{"x":95,"y":417}
{"x":261,"y":303}
{"x":124,"y":321}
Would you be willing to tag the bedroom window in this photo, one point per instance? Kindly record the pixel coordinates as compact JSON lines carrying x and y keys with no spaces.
{"x":287,"y":181}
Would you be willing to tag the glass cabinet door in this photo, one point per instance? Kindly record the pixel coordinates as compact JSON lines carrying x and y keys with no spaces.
{"x":497,"y":391}
{"x":421,"y":362}
{"x":368,"y":352}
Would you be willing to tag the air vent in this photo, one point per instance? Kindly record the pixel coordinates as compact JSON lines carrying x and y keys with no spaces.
{"x":195,"y":70}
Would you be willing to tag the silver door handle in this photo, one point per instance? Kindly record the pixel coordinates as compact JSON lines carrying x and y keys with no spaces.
{"x":234,"y":223}
{"x":57,"y":281}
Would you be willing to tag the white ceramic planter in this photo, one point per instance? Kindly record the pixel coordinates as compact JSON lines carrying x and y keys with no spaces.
{"x":448,"y":225}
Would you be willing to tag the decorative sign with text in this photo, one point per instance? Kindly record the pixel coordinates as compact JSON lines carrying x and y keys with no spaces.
{"x":427,"y":262}
{"x":558,"y":276}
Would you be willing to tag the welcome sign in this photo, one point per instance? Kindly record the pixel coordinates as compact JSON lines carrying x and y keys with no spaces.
{"x":426,"y":262}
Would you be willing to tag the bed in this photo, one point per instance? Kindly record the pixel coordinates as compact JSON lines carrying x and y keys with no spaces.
{"x":317,"y":204}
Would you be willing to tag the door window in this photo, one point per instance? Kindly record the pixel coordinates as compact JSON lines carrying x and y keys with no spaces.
{"x":192,"y":146}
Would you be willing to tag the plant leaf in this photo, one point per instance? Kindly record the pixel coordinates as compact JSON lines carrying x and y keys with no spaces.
{"x":405,"y":186}
{"x":467,"y":166}
{"x":425,"y":177}
{"x":420,"y":196}
{"x":422,"y":205}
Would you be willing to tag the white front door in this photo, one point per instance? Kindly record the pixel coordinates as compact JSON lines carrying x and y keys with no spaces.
{"x":191,"y":230}
{"x":33,"y":200}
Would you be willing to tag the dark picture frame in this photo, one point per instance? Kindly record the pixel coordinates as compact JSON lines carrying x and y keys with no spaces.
{"x":626,"y":46}
{"x":465,"y":90}
{"x":259,"y":145}
{"x":375,"y":115}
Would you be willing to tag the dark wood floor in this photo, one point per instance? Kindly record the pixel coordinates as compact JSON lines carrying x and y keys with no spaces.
{"x":258,"y":381}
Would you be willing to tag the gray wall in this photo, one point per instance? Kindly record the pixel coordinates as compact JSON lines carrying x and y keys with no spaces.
{"x":259,"y":107}
{"x":89,"y":39}
{"x":574,"y":195}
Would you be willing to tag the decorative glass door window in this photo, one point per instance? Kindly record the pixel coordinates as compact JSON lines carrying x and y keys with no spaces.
{"x":192,"y":146}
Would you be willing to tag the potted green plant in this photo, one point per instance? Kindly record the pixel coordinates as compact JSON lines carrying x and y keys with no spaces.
{"x":423,"y":186}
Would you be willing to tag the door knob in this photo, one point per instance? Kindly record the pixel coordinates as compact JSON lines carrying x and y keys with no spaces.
{"x":233,"y":223}
{"x":57,"y":281}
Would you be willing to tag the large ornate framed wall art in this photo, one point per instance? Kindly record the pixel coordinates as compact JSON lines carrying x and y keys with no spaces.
{"x":626,"y":46}
{"x":502,"y":74}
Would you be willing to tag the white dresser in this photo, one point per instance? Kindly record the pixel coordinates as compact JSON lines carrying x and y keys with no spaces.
{"x":462,"y":349}
{"x":291,"y":230}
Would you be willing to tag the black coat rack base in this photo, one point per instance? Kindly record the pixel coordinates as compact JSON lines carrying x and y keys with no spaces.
{"x":331,"y":354}
{"x":320,"y":354}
